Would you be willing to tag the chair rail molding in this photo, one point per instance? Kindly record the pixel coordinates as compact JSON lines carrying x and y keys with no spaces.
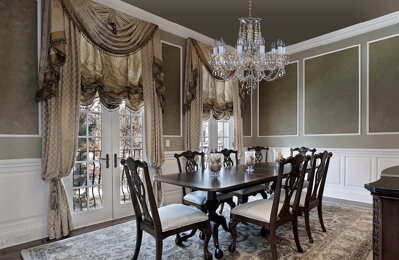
{"x":23,"y":200}
{"x":350,"y":169}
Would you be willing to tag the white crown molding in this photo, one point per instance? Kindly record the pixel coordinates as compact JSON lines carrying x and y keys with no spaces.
{"x":345,"y":33}
{"x":164,"y":25}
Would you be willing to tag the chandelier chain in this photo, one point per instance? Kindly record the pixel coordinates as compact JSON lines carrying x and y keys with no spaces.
{"x":250,"y":8}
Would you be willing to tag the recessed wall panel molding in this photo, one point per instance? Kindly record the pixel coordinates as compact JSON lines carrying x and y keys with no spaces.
{"x":332,"y":93}
{"x":247,"y":116}
{"x":278,"y":105}
{"x":19,"y":112}
{"x":172,"y":116}
{"x":383,"y":85}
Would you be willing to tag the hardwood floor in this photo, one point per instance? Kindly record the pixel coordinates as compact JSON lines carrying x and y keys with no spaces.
{"x":13,"y":253}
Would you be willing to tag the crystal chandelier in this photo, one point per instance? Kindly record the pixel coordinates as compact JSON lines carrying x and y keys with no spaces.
{"x":249,"y":63}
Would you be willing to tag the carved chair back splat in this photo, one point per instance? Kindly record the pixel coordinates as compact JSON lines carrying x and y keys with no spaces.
{"x":227,"y":160}
{"x":258,"y":153}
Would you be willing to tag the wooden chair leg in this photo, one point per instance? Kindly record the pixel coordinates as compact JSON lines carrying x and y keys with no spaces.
{"x":207,"y":233}
{"x":179,"y":240}
{"x":221,"y":208}
{"x":139,"y":237}
{"x":307,"y":224}
{"x":273,"y":243}
{"x":231,"y":203}
{"x":185,"y":236}
{"x":159,"y":249}
{"x":264,"y":195}
{"x":320,"y":211}
{"x":233,"y":231}
{"x":296,"y":236}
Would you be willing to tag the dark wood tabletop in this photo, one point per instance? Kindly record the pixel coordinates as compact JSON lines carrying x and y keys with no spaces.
{"x":229,"y":179}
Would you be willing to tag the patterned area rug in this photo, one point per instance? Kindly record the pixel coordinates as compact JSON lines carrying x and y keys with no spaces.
{"x":348,"y":236}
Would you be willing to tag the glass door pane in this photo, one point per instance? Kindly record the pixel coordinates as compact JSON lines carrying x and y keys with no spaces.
{"x":128,"y":142}
{"x":90,"y":185}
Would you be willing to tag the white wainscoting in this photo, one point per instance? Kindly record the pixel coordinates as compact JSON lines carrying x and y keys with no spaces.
{"x":350,"y":169}
{"x":23,"y":202}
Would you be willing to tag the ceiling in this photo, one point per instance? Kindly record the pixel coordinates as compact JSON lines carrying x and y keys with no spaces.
{"x":291,"y":20}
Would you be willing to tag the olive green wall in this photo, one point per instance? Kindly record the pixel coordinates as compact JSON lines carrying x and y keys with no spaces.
{"x":385,"y":100}
{"x":278,"y":104}
{"x":384,"y":85}
{"x":18,"y":68}
{"x":19,"y":112}
{"x":172,"y":78}
{"x":176,"y":143}
{"x":332,"y":92}
{"x":246,"y":116}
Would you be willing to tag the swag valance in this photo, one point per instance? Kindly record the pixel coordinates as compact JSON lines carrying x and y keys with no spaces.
{"x":111,"y":78}
{"x":116,"y":40}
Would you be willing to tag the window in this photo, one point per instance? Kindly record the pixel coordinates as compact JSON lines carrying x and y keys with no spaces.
{"x":217,"y":134}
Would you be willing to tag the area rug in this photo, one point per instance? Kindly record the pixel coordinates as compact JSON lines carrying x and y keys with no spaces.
{"x":348,"y":236}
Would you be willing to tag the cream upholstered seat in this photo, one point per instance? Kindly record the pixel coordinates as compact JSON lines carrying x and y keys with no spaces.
{"x":178,"y":215}
{"x":301,"y":200}
{"x":258,"y":209}
{"x":199,"y":197}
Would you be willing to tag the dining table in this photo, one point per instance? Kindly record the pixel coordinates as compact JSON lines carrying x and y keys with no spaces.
{"x":228,"y":179}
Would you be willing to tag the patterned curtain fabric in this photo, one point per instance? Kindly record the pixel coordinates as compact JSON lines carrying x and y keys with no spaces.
{"x":207,"y":95}
{"x":59,"y":118}
{"x":193,"y":94}
{"x":153,"y":117}
{"x":111,"y":78}
{"x":113,"y":33}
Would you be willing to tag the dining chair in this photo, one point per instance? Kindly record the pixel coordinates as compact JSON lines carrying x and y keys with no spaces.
{"x":258,"y":153}
{"x":164,"y":221}
{"x":243,"y":194}
{"x":275,"y":211}
{"x":313,"y":196}
{"x":197,"y":198}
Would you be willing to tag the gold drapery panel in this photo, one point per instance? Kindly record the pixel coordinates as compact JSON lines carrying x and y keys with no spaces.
{"x":108,"y":30}
{"x":59,"y":120}
{"x":111,"y":78}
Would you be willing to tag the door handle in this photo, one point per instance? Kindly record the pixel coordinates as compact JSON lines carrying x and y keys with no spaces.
{"x":116,"y":158}
{"x":106,"y":160}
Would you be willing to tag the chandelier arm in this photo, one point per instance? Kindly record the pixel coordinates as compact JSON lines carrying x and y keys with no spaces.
{"x":273,"y":75}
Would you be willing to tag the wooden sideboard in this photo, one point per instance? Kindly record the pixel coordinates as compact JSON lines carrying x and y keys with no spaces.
{"x":385,"y":194}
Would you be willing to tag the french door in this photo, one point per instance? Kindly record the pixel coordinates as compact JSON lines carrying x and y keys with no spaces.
{"x":97,"y":188}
